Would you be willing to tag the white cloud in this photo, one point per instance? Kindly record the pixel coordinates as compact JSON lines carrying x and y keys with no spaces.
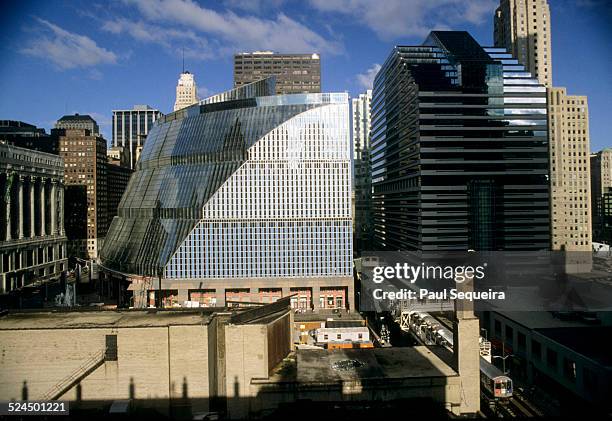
{"x":366,"y":80}
{"x":238,"y":32}
{"x":253,"y":6}
{"x":67,"y":50}
{"x":392,"y":19}
{"x":172,"y":39}
{"x":95,"y":74}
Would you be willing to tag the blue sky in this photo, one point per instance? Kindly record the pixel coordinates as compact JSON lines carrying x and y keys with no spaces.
{"x":91,"y":57}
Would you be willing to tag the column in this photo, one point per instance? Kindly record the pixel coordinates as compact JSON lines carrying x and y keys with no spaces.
{"x":350,"y":297}
{"x":183,"y":295}
{"x":20,"y":198}
{"x":316,"y":292}
{"x":254,"y":295}
{"x":61,"y":208}
{"x":42,"y":207}
{"x":32,"y":208}
{"x":53,"y":207}
{"x":7,"y":195}
{"x":220,"y":294}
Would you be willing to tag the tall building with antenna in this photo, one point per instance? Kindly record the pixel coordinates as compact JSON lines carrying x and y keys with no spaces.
{"x":186,"y":89}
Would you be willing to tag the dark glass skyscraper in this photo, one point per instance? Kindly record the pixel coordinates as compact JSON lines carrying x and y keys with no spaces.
{"x":459,"y":149}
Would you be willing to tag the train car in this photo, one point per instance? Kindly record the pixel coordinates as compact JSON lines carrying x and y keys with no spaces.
{"x":429,"y":330}
{"x":494,"y":381}
{"x":445,"y":338}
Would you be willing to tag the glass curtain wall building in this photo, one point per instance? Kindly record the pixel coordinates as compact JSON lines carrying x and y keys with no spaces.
{"x":130,"y":129}
{"x":459,"y":149}
{"x":362,"y":174}
{"x":244,"y":197}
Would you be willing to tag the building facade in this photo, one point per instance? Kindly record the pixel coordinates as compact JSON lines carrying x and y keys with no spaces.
{"x":362,"y":178}
{"x":130,"y":129}
{"x":118,"y":177}
{"x":86,"y":210}
{"x":295,"y":73}
{"x":78,"y":122}
{"x":186,"y":91}
{"x":522,"y":27}
{"x":604,"y":223}
{"x":601,"y":182}
{"x":32,"y":237}
{"x":570,"y":171}
{"x":118,"y":355}
{"x":564,"y":358}
{"x":459,"y":149}
{"x":24,"y":135}
{"x":252,"y":200}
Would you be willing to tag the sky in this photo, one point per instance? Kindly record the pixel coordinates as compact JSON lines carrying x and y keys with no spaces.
{"x":90,"y":57}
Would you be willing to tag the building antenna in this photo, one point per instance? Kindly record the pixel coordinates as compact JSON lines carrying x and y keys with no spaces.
{"x":183,"y":59}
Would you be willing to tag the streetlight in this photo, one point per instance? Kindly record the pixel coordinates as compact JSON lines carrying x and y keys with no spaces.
{"x":503,"y":359}
{"x":486,"y":333}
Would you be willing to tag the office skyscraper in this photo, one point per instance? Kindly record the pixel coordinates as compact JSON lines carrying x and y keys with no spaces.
{"x":78,"y":122}
{"x":85,"y":164}
{"x":570,"y":171}
{"x":295,"y":73}
{"x":186,"y":91}
{"x":601,"y":183}
{"x":245,"y":200}
{"x":522,"y":27}
{"x":130,"y":129}
{"x":117,"y":175}
{"x":362,"y":179}
{"x":459,"y":149}
{"x":24,"y":135}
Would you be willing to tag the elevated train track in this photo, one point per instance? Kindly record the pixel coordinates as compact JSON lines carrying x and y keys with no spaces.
{"x":429,"y":330}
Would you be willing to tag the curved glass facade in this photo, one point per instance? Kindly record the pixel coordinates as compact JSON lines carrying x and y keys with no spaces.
{"x":248,"y":187}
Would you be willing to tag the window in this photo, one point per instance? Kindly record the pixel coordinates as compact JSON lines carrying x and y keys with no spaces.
{"x":551,"y":359}
{"x":111,"y":348}
{"x":497,"y":328}
{"x":536,"y":350}
{"x":569,"y":369}
{"x":522,"y":341}
{"x":509,"y":334}
{"x":590,"y":379}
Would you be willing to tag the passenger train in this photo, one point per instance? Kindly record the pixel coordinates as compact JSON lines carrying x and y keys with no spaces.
{"x":431,"y":332}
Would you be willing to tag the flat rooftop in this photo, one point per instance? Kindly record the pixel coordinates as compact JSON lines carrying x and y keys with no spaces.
{"x":323,"y":315}
{"x":101,"y":319}
{"x":539,"y":320}
{"x":316,"y":366}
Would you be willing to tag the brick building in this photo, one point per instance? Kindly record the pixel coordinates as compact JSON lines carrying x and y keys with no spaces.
{"x":85,"y":163}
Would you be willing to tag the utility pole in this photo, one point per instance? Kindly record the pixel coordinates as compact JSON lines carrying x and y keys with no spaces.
{"x":159,"y":288}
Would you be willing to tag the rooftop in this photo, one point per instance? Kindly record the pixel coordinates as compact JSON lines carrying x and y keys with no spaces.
{"x":327,"y":316}
{"x":540,"y":320}
{"x":16,"y":124}
{"x":84,"y":117}
{"x":99,"y":319}
{"x":315,"y":366}
{"x":85,"y":317}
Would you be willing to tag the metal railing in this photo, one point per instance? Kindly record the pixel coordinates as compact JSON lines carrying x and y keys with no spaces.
{"x":80,"y":373}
